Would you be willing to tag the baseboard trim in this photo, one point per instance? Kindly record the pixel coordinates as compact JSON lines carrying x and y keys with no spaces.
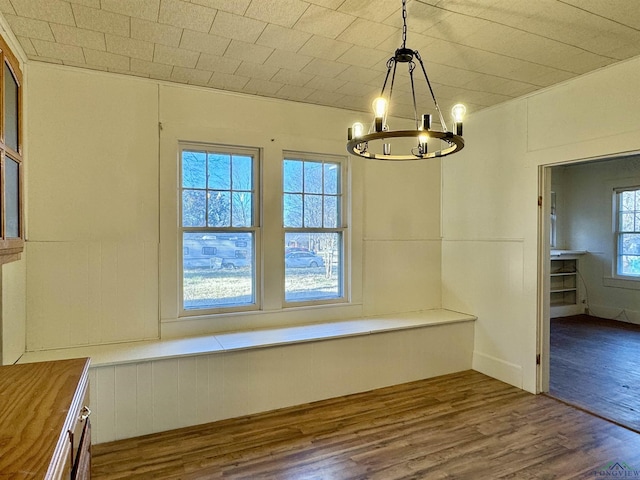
{"x":497,"y":368}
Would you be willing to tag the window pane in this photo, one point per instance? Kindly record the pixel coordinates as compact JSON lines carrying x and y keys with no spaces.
{"x":331,"y":212}
{"x":627,"y":201}
{"x":11,"y":198}
{"x":194,"y":169}
{"x":219,"y":172}
{"x":312,"y":177}
{"x":292,"y":176}
{"x":630,"y":244}
{"x":242,"y":173}
{"x":241,"y":207}
{"x":313,"y":266}
{"x":331,"y":178}
{"x":10,"y":109}
{"x":626,"y":222}
{"x":313,"y":211}
{"x":216,"y":272}
{"x":292,"y":210}
{"x":194,"y":206}
{"x":219,"y":210}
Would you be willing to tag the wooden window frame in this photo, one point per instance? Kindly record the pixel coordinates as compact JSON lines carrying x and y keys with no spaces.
{"x":11,"y":247}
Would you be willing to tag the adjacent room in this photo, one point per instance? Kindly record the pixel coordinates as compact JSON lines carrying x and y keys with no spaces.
{"x":595,"y":316}
{"x":261,"y":238}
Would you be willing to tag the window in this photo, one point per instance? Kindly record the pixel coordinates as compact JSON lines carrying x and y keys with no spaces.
{"x":627,"y":203}
{"x":219,"y":205}
{"x":11,"y":161}
{"x":314,"y":223}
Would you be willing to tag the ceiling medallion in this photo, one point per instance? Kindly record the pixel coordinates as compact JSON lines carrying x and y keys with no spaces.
{"x":358,"y":142}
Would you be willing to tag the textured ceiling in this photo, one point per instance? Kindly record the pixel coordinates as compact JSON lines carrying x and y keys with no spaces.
{"x":333,"y":52}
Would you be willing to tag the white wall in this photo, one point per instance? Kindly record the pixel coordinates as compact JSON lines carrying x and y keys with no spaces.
{"x":587,"y":192}
{"x":102,"y":251}
{"x":490,"y":213}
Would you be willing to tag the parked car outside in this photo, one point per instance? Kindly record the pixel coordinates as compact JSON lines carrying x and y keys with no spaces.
{"x":303,"y":259}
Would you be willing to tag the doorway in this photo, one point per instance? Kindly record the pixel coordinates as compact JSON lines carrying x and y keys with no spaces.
{"x":591,"y":302}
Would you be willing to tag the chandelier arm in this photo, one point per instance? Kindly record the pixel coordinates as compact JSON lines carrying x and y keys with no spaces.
{"x":412,"y":67}
{"x":433,"y":95}
{"x":393,"y":79}
{"x":390,"y":64}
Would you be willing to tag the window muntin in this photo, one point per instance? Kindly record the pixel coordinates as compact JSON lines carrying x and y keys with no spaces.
{"x":627,"y":202}
{"x":313,"y":218}
{"x":219,"y":201}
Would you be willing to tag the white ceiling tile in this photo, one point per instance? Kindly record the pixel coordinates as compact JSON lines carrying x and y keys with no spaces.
{"x":420,"y":17}
{"x":190,"y":75}
{"x":324,"y":98}
{"x":186,"y":15}
{"x":145,"y":9}
{"x":358,"y":75}
{"x":175,"y":56}
{"x":325,"y":84}
{"x":79,"y":37}
{"x":129,"y":47}
{"x":29,"y":27}
{"x":291,"y":61}
{"x":615,"y":10}
{"x":85,"y":65}
{"x":323,"y":21}
{"x":6,"y":7}
{"x":55,"y":11}
{"x":58,"y":51}
{"x":248,"y":52}
{"x":281,"y":12}
{"x":27,"y":46}
{"x":259,"y":71}
{"x":215,"y":63}
{"x":106,"y":59}
{"x":262,"y":87}
{"x":87,"y":3}
{"x":368,"y":34}
{"x":155,"y":32}
{"x":290,"y":77}
{"x":101,"y":21}
{"x":334,"y":4}
{"x":283,"y":38}
{"x":293,"y":92}
{"x":325,"y":68}
{"x":324,"y":48}
{"x":226,"y":81}
{"x":203,"y":42}
{"x":359,"y":89}
{"x":238,"y":7}
{"x":154,"y":70}
{"x":364,"y":57}
{"x":237,"y":27}
{"x":374,"y":10}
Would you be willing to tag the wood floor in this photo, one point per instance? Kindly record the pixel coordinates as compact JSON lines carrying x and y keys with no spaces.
{"x":595,"y":364}
{"x":459,"y":426}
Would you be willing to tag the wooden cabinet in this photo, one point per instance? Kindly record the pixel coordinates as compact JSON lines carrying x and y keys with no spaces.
{"x":45,"y":432}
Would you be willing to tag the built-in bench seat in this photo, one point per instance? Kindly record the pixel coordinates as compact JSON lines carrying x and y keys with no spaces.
{"x":134,"y":352}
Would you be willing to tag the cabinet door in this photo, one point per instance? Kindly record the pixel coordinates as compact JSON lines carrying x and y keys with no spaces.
{"x":82,"y":462}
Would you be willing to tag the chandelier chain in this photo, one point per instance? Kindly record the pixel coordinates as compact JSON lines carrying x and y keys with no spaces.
{"x":404,"y":23}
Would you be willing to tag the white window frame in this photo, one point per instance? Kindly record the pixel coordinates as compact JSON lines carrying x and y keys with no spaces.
{"x":255,"y":228}
{"x":617,"y":232}
{"x":342,"y":228}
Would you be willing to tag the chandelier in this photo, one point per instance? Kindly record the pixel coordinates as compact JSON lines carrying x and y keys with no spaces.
{"x":358,"y":142}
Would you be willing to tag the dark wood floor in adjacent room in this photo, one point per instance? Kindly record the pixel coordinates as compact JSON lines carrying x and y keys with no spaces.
{"x":459,"y":426}
{"x":595,"y":364}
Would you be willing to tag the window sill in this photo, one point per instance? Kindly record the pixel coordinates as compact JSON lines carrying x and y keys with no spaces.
{"x":628,"y":283}
{"x":132,"y":352}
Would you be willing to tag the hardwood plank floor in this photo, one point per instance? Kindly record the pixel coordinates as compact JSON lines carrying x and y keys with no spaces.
{"x":595,"y":364}
{"x":460,"y":426}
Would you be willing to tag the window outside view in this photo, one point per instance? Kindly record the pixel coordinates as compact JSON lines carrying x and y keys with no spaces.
{"x":218,"y":234}
{"x":312,"y":202}
{"x":629,"y":232}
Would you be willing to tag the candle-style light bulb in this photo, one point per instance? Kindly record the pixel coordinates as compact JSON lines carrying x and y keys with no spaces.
{"x":380,"y":107}
{"x":458,"y":111}
{"x":357,"y":129}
